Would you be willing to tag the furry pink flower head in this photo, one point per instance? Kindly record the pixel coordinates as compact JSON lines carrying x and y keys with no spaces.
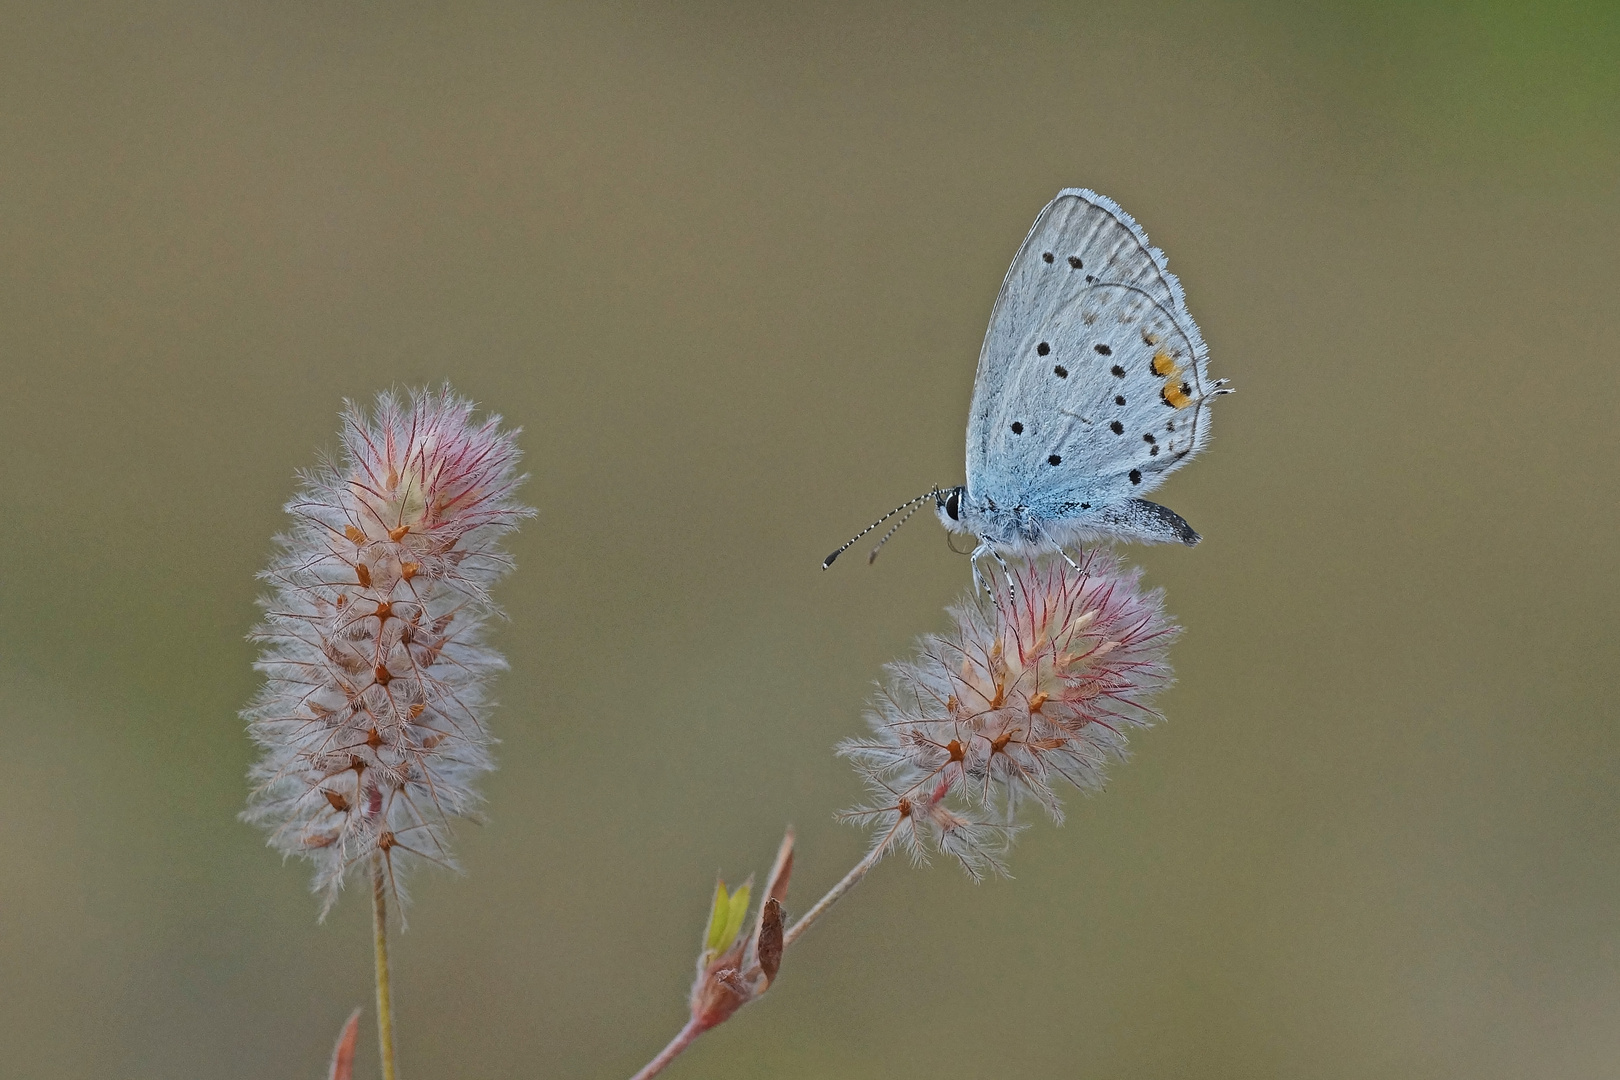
{"x":372,"y":715}
{"x":1024,"y":691}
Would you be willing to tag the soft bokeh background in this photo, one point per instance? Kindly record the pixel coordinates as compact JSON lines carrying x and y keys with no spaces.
{"x":729,"y":267}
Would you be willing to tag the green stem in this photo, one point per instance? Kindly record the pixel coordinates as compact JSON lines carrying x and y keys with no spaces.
{"x":385,"y":1006}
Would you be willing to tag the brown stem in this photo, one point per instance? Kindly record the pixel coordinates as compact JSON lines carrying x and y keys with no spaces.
{"x":680,"y":1042}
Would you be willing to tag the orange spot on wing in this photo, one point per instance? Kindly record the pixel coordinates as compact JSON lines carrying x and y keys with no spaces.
{"x":1164,"y":365}
{"x":1176,"y":394}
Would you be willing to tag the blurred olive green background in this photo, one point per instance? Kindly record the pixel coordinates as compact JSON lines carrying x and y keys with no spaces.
{"x":729,"y":267}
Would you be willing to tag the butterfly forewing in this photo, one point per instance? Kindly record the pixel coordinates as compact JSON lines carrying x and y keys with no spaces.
{"x":1092,"y":382}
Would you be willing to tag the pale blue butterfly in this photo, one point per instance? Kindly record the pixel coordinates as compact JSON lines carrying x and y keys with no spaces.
{"x":1093,"y":386}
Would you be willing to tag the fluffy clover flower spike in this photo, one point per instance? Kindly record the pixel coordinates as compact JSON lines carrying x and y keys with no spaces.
{"x":1025,"y":691}
{"x":372,"y":715}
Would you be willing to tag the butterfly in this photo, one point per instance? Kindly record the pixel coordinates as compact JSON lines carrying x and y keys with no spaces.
{"x":1093,"y":385}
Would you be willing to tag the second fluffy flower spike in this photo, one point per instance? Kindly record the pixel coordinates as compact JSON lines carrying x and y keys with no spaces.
{"x":372,"y":715}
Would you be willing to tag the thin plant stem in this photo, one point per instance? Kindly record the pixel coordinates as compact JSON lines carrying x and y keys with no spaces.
{"x":680,"y":1042}
{"x":834,"y":894}
{"x":385,"y":1005}
{"x":688,"y":1034}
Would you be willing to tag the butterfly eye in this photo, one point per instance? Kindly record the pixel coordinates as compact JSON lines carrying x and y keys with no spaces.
{"x":951,"y":505}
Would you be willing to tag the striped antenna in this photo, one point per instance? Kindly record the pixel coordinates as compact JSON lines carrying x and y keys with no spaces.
{"x":872,"y":555}
{"x":909,"y":504}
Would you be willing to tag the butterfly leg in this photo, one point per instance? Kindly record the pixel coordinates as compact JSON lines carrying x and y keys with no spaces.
{"x":978,"y":579}
{"x":1005,"y":573}
{"x":1061,"y":550}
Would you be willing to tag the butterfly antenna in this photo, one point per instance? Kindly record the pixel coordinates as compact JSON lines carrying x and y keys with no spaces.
{"x":909,"y":504}
{"x":915,"y":506}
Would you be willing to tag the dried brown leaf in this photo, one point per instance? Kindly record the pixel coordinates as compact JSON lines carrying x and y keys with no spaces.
{"x":769,"y":948}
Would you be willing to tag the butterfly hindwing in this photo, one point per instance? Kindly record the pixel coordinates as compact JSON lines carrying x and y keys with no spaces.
{"x":1092,"y":382}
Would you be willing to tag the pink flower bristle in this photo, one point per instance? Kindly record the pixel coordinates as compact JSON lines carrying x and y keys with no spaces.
{"x":1023,"y":691}
{"x":372,"y":717}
